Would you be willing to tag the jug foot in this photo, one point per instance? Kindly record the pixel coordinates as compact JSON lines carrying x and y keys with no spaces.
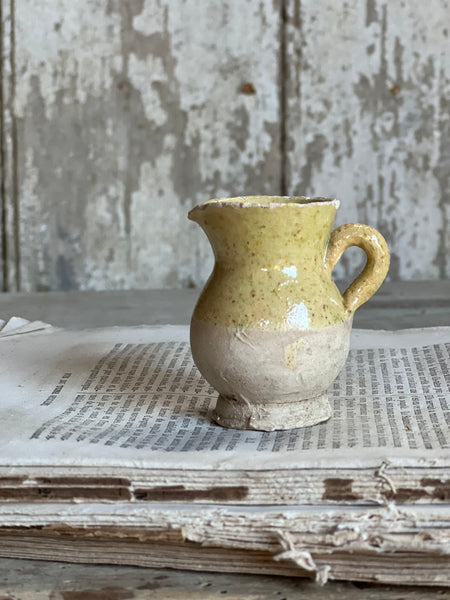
{"x":242,"y":414}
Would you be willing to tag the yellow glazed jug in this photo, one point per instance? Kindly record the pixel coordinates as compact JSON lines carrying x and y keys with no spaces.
{"x":271,"y":331}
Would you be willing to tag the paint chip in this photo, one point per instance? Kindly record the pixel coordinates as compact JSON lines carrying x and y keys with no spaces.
{"x":248,"y":88}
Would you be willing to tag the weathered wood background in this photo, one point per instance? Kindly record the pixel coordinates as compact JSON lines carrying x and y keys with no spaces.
{"x":118,"y":116}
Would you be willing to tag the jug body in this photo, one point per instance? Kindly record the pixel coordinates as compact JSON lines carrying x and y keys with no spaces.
{"x":271,"y":331}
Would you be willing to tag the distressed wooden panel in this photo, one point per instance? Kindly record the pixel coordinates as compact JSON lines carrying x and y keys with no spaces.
{"x":8,"y":174}
{"x":119,"y":116}
{"x":367,"y":104}
{"x":128,"y":114}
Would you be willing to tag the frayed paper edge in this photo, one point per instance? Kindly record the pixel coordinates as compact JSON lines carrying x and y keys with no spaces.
{"x":302,"y":558}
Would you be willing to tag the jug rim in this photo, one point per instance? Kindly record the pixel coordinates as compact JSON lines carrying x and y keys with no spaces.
{"x":270,"y":201}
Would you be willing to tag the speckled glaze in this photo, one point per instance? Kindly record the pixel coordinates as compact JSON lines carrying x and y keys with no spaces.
{"x":271,"y":330}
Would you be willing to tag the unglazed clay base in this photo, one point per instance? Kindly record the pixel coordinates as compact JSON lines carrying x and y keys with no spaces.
{"x":270,"y":379}
{"x":237,"y":414}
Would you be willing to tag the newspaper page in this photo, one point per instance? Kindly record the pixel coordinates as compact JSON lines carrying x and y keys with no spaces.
{"x":133,"y":397}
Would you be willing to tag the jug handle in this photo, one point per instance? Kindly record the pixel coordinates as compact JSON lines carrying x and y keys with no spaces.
{"x":377,"y":265}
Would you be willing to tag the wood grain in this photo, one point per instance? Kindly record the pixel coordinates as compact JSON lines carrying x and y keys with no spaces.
{"x":41,"y":580}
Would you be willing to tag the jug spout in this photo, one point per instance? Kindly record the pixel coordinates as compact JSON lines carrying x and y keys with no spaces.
{"x":195,"y":214}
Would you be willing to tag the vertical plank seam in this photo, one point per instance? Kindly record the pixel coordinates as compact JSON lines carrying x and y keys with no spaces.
{"x":14,"y":165}
{"x":283,"y":96}
{"x":4,"y":267}
{"x":442,"y":253}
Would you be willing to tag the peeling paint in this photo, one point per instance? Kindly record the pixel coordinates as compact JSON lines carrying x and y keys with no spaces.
{"x":128,"y":114}
{"x":385,"y":71}
{"x":125,"y":114}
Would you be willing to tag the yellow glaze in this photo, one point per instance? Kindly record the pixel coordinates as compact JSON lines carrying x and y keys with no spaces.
{"x":274,"y":259}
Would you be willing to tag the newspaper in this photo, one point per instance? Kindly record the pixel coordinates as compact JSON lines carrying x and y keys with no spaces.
{"x":133,"y":397}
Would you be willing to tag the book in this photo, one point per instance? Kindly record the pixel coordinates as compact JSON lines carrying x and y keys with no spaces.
{"x":108,"y":453}
{"x":379,"y":544}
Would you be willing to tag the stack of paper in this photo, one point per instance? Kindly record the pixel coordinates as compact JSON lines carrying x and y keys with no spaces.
{"x":108,"y":454}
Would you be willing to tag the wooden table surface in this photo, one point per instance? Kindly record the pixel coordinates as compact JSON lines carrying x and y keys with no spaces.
{"x":395,"y":306}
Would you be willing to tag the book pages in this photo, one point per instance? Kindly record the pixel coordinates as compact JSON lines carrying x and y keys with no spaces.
{"x":133,"y":397}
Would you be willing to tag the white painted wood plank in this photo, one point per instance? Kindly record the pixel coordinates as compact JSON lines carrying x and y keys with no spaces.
{"x":368,"y":121}
{"x":128,"y":114}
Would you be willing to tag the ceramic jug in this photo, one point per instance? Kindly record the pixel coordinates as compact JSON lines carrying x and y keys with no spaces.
{"x":271,"y":331}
